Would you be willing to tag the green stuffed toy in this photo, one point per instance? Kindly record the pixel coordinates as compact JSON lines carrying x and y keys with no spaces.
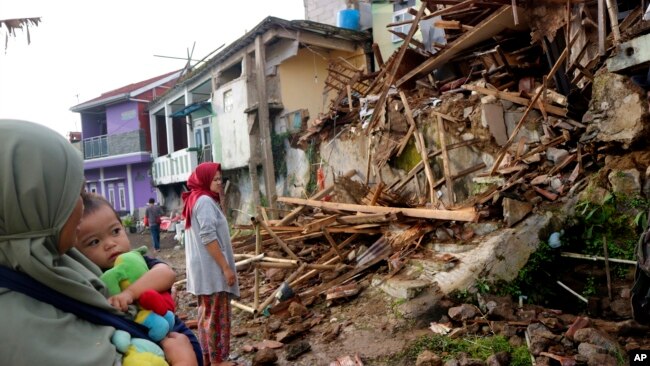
{"x":138,"y":351}
{"x":157,"y":316}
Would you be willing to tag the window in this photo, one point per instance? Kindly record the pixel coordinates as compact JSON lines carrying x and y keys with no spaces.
{"x":122,"y":194}
{"x":206,"y":136}
{"x":93,"y":188}
{"x":227,"y":101}
{"x":111,"y":195}
{"x":202,"y":136}
{"x":197,"y":137}
{"x":399,"y":16}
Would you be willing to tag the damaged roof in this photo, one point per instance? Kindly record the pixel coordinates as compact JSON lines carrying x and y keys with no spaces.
{"x":264,"y":26}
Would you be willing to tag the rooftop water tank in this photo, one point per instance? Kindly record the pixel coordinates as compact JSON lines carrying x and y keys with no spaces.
{"x":348,"y":18}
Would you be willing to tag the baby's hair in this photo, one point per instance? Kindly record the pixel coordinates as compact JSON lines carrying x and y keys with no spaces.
{"x":93,"y":201}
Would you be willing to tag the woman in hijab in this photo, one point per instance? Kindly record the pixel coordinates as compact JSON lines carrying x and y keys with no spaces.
{"x":41,"y":178}
{"x":211,"y":273}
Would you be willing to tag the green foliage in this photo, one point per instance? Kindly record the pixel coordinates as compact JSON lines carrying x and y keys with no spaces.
{"x":462,"y":296}
{"x":264,"y":202}
{"x":590,"y":287}
{"x":474,"y":346}
{"x":409,"y":158}
{"x":128,"y":221}
{"x":279,"y":153}
{"x":311,"y":153}
{"x":482,"y":286}
{"x":610,"y":221}
{"x":531,"y":276}
{"x":394,"y":307}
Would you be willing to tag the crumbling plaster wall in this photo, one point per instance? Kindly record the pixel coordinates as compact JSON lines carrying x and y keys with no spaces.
{"x":618,"y":110}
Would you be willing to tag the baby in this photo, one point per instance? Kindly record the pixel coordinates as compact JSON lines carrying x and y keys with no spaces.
{"x":101,"y":238}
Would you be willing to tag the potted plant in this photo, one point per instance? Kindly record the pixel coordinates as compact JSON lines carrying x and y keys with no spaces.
{"x":129,"y":223}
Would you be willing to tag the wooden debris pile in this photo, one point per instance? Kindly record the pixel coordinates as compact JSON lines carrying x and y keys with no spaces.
{"x":479,"y":62}
{"x":483,"y":62}
{"x":320,"y":246}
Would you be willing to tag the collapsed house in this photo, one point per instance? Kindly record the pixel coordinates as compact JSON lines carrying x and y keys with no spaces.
{"x":450,"y":161}
{"x":445,"y":142}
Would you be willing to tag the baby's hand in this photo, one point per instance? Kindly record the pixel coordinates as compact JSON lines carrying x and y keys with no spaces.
{"x":178,"y":350}
{"x":122,"y":300}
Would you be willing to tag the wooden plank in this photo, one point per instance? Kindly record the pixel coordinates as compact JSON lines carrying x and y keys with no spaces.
{"x":380,"y":105}
{"x":333,"y":244}
{"x":349,"y":90}
{"x":419,"y":141}
{"x":296,"y":211}
{"x":417,"y":44}
{"x":375,"y":196}
{"x":468,"y":214}
{"x":354,"y":230}
{"x":445,"y":160}
{"x":549,"y":195}
{"x":515,"y":99}
{"x":494,"y":24}
{"x":318,"y":225}
{"x":367,"y":219}
{"x":264,"y":121}
{"x":377,"y":52}
{"x":462,"y":173}
{"x":613,"y":21}
{"x":398,"y":184}
{"x":448,"y":24}
{"x":504,"y":148}
{"x":278,"y":240}
{"x":405,"y":140}
{"x":446,"y":116}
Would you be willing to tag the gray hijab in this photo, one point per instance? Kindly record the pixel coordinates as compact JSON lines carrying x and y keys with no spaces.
{"x":41,"y":176}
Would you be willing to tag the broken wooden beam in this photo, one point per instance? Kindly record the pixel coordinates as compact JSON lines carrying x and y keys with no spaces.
{"x":318,"y":225}
{"x":277,"y":238}
{"x":487,"y":28}
{"x":466,"y":214}
{"x":296,"y":211}
{"x":515,"y":99}
{"x":368,"y":218}
{"x":419,"y":142}
{"x":333,"y":244}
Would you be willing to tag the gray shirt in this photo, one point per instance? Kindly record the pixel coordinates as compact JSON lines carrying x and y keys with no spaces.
{"x":153,"y":212}
{"x":204,"y":276}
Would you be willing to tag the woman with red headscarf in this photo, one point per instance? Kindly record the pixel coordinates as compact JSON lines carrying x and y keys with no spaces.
{"x":211,"y":273}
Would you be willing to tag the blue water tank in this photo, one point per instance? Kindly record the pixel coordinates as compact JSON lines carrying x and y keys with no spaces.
{"x":348,"y":18}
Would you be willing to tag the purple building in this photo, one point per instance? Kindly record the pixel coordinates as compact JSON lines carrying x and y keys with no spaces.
{"x":116,"y":142}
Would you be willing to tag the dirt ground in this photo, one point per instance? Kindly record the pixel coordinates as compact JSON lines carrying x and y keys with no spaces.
{"x":368,"y":324}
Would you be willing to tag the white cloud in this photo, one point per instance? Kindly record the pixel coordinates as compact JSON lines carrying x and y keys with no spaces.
{"x":84,"y":48}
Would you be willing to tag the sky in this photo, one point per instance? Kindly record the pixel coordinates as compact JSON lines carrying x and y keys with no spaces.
{"x":82,"y":49}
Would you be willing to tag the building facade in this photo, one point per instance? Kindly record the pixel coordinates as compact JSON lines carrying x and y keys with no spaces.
{"x":116,"y":144}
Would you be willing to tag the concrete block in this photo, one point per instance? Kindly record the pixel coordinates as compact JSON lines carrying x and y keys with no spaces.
{"x":492,"y":117}
{"x":401,"y":288}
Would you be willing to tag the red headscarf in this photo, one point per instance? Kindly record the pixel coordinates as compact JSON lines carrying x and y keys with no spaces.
{"x":199,"y":185}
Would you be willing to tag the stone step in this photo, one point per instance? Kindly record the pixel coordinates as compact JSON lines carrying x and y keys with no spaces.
{"x":401,"y":288}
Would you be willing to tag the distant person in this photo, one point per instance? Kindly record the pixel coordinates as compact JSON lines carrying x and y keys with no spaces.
{"x":152,"y":219}
{"x":211,"y":272}
{"x":47,"y":287}
{"x":102,"y":239}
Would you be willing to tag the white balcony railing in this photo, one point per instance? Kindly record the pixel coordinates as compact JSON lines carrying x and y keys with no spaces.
{"x":175,"y":167}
